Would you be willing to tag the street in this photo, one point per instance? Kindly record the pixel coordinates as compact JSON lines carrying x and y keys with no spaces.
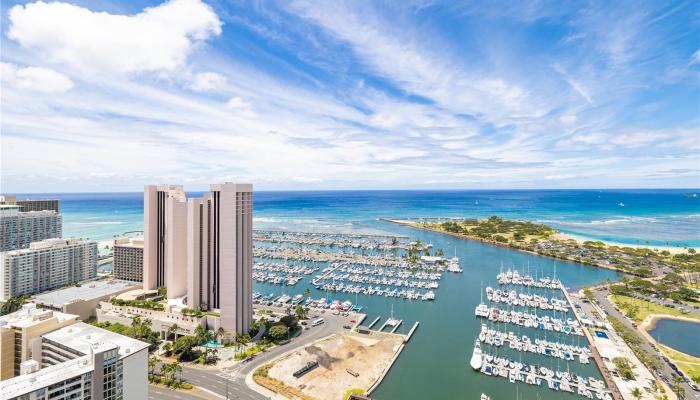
{"x":230,"y":383}
{"x":665,"y":371}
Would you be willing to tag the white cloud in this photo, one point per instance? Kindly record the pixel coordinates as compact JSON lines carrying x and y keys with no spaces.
{"x":36,"y":79}
{"x":695,"y":58}
{"x":424,"y":70}
{"x":207,"y":81}
{"x":568,"y":119}
{"x":240,"y":106}
{"x":157,"y":39}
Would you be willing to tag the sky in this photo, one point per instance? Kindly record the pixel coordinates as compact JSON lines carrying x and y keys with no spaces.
{"x":102,"y":96}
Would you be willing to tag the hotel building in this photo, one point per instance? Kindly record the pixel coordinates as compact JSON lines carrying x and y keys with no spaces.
{"x":19,"y":329}
{"x":81,"y":361}
{"x":128,"y":259}
{"x":165,"y":239}
{"x":220,"y":254}
{"x":46,"y":265}
{"x":19,"y":229}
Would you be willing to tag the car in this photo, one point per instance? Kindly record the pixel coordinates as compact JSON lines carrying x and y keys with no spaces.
{"x":353,"y":321}
{"x":347,"y":327}
{"x":303,"y":322}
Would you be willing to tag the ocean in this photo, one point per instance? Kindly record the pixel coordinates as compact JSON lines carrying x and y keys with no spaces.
{"x":656,"y":217}
{"x":435,"y":363}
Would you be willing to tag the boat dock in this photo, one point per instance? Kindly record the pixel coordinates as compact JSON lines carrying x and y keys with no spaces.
{"x":410,"y":333}
{"x":533,"y":375}
{"x":523,"y":343}
{"x":374,"y":322}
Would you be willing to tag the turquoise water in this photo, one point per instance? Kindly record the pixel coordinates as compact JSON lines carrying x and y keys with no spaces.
{"x":653,"y":216}
{"x":435,"y":363}
{"x":680,"y":335}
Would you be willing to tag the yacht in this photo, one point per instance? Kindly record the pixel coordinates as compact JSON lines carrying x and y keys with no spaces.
{"x":429,"y":295}
{"x":476,"y":360}
{"x":621,"y":204}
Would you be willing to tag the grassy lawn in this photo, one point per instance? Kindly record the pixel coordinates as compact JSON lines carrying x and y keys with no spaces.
{"x":645,"y":308}
{"x":689,"y":364}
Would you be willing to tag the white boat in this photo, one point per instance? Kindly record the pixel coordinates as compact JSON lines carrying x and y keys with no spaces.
{"x":454,"y":264}
{"x":621,"y":204}
{"x":485,"y":397}
{"x":476,"y":360}
{"x":429,"y":295}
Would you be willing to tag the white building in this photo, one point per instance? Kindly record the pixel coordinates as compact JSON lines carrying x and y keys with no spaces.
{"x":19,"y":229}
{"x":46,"y":265}
{"x":81,"y":361}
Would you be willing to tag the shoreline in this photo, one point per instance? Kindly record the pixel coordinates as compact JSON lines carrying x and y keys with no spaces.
{"x":649,"y":323}
{"x":580,"y":239}
{"x":494,"y":243}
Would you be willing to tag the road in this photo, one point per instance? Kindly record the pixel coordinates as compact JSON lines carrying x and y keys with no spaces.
{"x":159,"y":393}
{"x":231,"y":381}
{"x":665,"y":372}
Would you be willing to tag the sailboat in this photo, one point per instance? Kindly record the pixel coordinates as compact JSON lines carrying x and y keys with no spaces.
{"x":477,"y":358}
{"x":454,"y":264}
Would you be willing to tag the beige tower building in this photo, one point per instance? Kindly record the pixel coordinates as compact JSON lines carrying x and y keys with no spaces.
{"x":165,"y":239}
{"x":220,"y":253}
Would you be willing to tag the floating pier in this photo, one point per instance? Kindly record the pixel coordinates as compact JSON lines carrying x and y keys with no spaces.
{"x":410,"y":333}
{"x":373,"y":322}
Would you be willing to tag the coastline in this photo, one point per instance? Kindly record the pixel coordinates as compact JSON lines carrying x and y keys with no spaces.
{"x":649,"y":322}
{"x":581,"y":239}
{"x":494,"y":243}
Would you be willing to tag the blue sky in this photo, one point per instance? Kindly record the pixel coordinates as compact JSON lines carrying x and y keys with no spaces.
{"x":108,"y":96}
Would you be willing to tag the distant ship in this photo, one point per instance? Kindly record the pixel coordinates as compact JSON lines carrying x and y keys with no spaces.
{"x":691,"y":195}
{"x":621,"y":204}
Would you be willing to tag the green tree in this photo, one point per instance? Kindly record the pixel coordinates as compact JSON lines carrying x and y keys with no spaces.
{"x":199,"y":334}
{"x":152,"y":363}
{"x":220,"y":334}
{"x":637,"y":393}
{"x":307,"y":293}
{"x":184,"y":345}
{"x":172,"y":330}
{"x":301,"y":313}
{"x":278,"y":332}
{"x":677,"y":381}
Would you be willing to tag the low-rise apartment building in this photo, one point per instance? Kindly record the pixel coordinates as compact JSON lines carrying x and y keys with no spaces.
{"x":19,"y":329}
{"x":82,"y":361}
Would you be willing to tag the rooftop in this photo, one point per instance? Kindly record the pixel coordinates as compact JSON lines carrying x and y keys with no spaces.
{"x":23,"y":384}
{"x":129,"y":242}
{"x":49,"y":244}
{"x":87,"y":291}
{"x":84,"y":337}
{"x":29,"y":315}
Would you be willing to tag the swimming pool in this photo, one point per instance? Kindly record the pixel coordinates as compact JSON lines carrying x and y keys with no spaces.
{"x":601,"y":334}
{"x":213,"y":344}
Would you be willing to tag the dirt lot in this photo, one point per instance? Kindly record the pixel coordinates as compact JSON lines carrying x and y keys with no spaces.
{"x":367,"y":355}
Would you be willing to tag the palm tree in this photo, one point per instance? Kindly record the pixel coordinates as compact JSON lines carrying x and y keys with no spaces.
{"x":172,"y":330}
{"x":307,"y":293}
{"x":637,"y":393}
{"x":220,"y":333}
{"x":680,"y":391}
{"x":199,"y":334}
{"x":152,"y":363}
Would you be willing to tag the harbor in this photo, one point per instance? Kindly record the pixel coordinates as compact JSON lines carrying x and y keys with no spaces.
{"x":455,"y":293}
{"x":501,"y":336}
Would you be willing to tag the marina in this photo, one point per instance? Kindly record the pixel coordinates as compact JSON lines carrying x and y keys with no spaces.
{"x":500,"y":337}
{"x":516,"y":371}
